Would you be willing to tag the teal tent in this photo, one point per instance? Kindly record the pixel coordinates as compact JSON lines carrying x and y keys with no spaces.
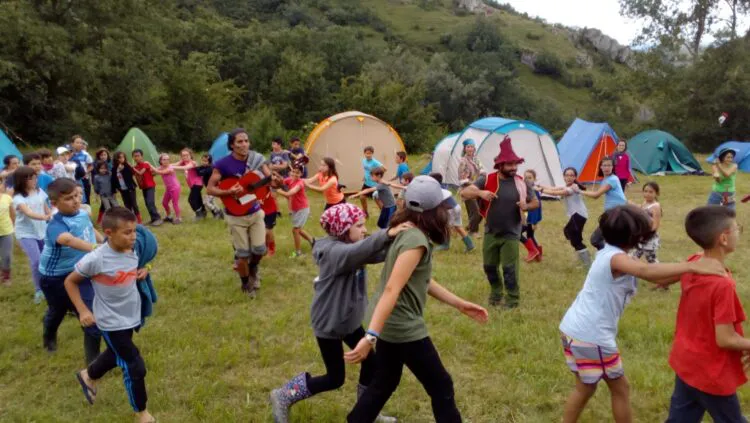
{"x":219,"y":149}
{"x":7,"y":148}
{"x":659,"y":153}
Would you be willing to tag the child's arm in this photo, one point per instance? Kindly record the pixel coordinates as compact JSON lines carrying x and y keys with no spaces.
{"x":472,"y":310}
{"x":23,"y":208}
{"x":656,"y":219}
{"x":289,"y":193}
{"x":161,"y":171}
{"x":67,"y":239}
{"x":363,"y":192}
{"x":554,"y":191}
{"x":71,"y":286}
{"x":728,"y":172}
{"x":188,"y":166}
{"x":12,"y":214}
{"x":664,"y":273}
{"x":603,"y":189}
{"x":728,"y":339}
{"x":98,"y":236}
{"x":326,"y":186}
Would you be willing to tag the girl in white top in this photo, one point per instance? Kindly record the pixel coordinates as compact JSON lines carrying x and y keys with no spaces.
{"x":589,"y":327}
{"x":577,"y":212}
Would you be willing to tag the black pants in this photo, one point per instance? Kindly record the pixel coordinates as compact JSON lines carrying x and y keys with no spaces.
{"x":423,"y":360}
{"x":149,"y":195}
{"x":527,"y":232}
{"x":328,"y":206}
{"x":196,"y":200}
{"x":122,"y":352}
{"x":574,"y":231}
{"x":597,"y":239}
{"x":475,"y":218}
{"x":86,"y":182}
{"x":623,"y":183}
{"x":129,"y":200}
{"x":332,"y":351}
{"x":689,"y":405}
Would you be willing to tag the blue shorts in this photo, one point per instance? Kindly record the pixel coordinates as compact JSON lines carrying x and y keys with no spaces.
{"x":386,"y":213}
{"x":270,"y":220}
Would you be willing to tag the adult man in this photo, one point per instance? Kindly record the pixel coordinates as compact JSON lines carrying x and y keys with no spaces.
{"x":85,"y":164}
{"x":248,"y":231}
{"x":504,"y":197}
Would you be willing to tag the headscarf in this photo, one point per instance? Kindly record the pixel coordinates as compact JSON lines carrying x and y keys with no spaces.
{"x":337,"y":220}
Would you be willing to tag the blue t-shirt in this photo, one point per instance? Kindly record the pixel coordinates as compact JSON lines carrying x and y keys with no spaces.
{"x":83,"y":159}
{"x":369,"y":165}
{"x":535,"y":216}
{"x":59,"y":260}
{"x":27,"y":227}
{"x":43,"y":180}
{"x":400,"y":170}
{"x":615,"y":196}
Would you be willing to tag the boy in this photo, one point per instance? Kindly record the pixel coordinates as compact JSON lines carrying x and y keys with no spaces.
{"x":113,"y":269}
{"x":34,"y":161}
{"x":708,"y":343}
{"x":70,"y":235}
{"x":385,"y":196}
{"x":402,"y":168}
{"x":296,"y":152}
{"x":145,"y":178}
{"x":368,"y":164}
{"x":46,"y":158}
{"x":454,"y":219}
{"x":279,"y":158}
{"x":300,"y":208}
{"x":271,"y":211}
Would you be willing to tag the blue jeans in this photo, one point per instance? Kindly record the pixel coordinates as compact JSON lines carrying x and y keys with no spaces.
{"x":715,"y":198}
{"x":689,"y":405}
{"x":58,"y":304}
{"x":386,"y":213}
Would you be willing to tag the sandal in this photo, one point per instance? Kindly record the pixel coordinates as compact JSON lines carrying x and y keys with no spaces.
{"x":88,"y":392}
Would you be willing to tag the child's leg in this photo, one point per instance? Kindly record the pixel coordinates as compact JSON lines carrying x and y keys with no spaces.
{"x":367,"y":368}
{"x":577,"y":400}
{"x":363,"y":203}
{"x":686,"y":405}
{"x":175,"y":197}
{"x":423,"y":360}
{"x":195,"y":200}
{"x":57,"y":307}
{"x":6,"y":254}
{"x":133,"y":367}
{"x":165,"y":202}
{"x":297,"y":240}
{"x":389,"y":364}
{"x":620,"y":391}
{"x":33,"y":251}
{"x":531,"y":232}
{"x":332,"y":351}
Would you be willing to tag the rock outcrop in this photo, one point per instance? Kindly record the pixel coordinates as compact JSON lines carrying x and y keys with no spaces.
{"x":604,"y":45}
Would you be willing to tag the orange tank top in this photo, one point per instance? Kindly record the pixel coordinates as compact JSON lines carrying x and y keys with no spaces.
{"x":332,"y":194}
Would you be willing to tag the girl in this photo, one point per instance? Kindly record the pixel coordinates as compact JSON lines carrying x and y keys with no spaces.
{"x":533,"y":217}
{"x":7,"y":217}
{"x":613,"y":195}
{"x":468,"y":171}
{"x":103,"y":187}
{"x":102,"y":155}
{"x":204,"y":171}
{"x":724,"y":173}
{"x":10,"y":163}
{"x":328,"y":183}
{"x":397,"y":324}
{"x":122,"y":180}
{"x":194,"y":181}
{"x":32,"y":215}
{"x":589,"y":327}
{"x":339,"y":302}
{"x":295,"y":192}
{"x":171,"y":189}
{"x":576,"y":210}
{"x":622,"y":164}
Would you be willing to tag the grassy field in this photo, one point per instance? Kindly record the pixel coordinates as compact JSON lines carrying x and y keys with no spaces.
{"x":213,"y":355}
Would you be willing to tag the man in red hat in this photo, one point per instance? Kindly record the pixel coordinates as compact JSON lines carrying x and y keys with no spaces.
{"x":504,"y":196}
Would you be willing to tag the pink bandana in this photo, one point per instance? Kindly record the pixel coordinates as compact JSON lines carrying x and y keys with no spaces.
{"x":339,"y":218}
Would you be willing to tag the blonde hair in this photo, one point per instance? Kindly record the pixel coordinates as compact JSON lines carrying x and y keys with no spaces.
{"x":189,"y":151}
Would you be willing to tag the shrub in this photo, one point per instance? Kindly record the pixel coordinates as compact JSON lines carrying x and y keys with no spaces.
{"x":549,"y":64}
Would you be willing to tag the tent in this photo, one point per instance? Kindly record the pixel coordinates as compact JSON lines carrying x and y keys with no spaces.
{"x":7,"y":148}
{"x":584,"y":145}
{"x":445,"y":142}
{"x":344,"y":136}
{"x":530,"y":141}
{"x":136,"y":139}
{"x":742,"y":156}
{"x":657,"y":153}
{"x":219,"y":148}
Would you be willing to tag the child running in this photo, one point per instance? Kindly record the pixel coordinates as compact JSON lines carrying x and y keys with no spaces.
{"x":613,"y":194}
{"x":122,"y":180}
{"x":204,"y":171}
{"x":576,"y":210}
{"x":295,"y":191}
{"x":103,"y":188}
{"x":403,"y":167}
{"x":386,"y":199}
{"x":589,"y":327}
{"x":709,"y":342}
{"x":328,"y":183}
{"x":397,"y":325}
{"x":194,"y":181}
{"x":32,"y":215}
{"x":144,"y":174}
{"x":113,"y":269}
{"x":7,"y":217}
{"x":271,"y":213}
{"x":533,"y":217}
{"x":368,"y":164}
{"x":171,"y":189}
{"x":652,"y":207}
{"x":339,"y":302}
{"x":455,"y":220}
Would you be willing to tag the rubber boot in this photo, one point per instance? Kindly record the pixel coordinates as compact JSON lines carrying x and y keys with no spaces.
{"x":6,"y":276}
{"x":100,"y":217}
{"x":283,"y":398}
{"x":532,"y":250}
{"x":382,"y":418}
{"x":469,"y":243}
{"x":91,"y":347}
{"x":138,"y":217}
{"x":444,"y":247}
{"x":585,"y":257}
{"x":541,"y":253}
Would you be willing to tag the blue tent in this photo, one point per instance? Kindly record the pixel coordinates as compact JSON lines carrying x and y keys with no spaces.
{"x":741,"y":157}
{"x":7,"y":148}
{"x":219,"y":148}
{"x":584,"y":144}
{"x":449,"y":140}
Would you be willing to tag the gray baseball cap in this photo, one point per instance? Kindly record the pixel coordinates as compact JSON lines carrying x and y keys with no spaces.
{"x":424,"y":193}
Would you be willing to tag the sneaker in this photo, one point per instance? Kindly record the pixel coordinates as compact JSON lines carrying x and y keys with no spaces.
{"x":38,"y":297}
{"x":248,"y":290}
{"x":168,"y":219}
{"x":176,"y":221}
{"x":296,"y":254}
{"x":156,"y":222}
{"x":50,"y":345}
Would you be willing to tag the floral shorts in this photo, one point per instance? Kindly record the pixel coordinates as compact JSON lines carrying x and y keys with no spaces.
{"x":591,"y":362}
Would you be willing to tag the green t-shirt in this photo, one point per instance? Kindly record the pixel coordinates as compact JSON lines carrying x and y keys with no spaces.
{"x":406,"y":322}
{"x":725,"y":184}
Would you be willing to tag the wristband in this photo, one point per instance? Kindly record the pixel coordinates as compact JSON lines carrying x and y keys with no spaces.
{"x":148,"y":267}
{"x":373,"y":333}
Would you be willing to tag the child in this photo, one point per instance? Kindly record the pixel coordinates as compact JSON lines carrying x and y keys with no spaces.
{"x":194,"y":181}
{"x":48,"y":161}
{"x":724,"y":171}
{"x":10,"y":163}
{"x":280,"y":160}
{"x":62,"y":168}
{"x":589,"y":328}
{"x":296,"y":152}
{"x":339,"y":302}
{"x":204,"y":171}
{"x":397,"y":325}
{"x":403,"y":167}
{"x":102,"y":155}
{"x":7,"y":217}
{"x":709,"y":344}
{"x":32,"y":215}
{"x":455,"y":220}
{"x":113,"y":269}
{"x":533,"y":217}
{"x":103,"y":188}
{"x":271,"y":211}
{"x":576,"y":210}
{"x":328,"y":183}
{"x":145,"y":176}
{"x":70,"y":235}
{"x":622,"y":164}
{"x":300,"y":208}
{"x":171,"y":189}
{"x":385,"y":196}
{"x":613,"y":195}
{"x":652,"y":207}
{"x":122,"y":180}
{"x":368,"y":164}
{"x":34,"y":161}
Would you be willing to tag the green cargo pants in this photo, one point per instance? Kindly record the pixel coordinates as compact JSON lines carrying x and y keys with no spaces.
{"x":501,"y":251}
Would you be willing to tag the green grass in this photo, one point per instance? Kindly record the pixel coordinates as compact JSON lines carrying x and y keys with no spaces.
{"x":213,"y":356}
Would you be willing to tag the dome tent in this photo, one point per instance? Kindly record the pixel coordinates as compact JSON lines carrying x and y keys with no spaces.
{"x":344,"y":136}
{"x":219,"y":148}
{"x":741,"y":157}
{"x":657,"y":152}
{"x":584,"y":145}
{"x":137,"y":139}
{"x":442,"y":144}
{"x":7,"y":148}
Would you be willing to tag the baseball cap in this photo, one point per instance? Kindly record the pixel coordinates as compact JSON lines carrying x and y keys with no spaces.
{"x":424,"y":193}
{"x":62,"y":150}
{"x":449,"y":202}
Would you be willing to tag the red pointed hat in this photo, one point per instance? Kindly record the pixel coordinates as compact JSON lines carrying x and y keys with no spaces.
{"x":507,"y":155}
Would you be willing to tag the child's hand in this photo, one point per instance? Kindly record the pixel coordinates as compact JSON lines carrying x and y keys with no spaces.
{"x":400,"y":228}
{"x":141,"y":274}
{"x":708,"y":266}
{"x":359,"y":353}
{"x":746,"y":361}
{"x":87,"y":319}
{"x":474,"y":311}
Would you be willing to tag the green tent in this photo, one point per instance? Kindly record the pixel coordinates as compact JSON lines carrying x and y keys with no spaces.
{"x":136,"y":139}
{"x":658,"y":153}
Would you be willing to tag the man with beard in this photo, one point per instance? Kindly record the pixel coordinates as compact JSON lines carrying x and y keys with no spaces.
{"x":504,"y":196}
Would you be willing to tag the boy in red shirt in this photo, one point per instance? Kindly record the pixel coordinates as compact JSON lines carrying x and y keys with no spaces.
{"x":271,"y":210}
{"x":709,"y":343}
{"x":300,"y":208}
{"x":145,"y":178}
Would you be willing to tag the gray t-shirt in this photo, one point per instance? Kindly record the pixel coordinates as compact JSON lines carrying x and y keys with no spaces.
{"x":574,"y":202}
{"x":385,"y":195}
{"x":279,"y":158}
{"x":504,"y":216}
{"x":117,"y":304}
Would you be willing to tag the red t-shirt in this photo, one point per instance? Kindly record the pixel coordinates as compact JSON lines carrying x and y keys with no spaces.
{"x":696,"y":358}
{"x":299,"y":200}
{"x":268,"y":205}
{"x":147,"y":179}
